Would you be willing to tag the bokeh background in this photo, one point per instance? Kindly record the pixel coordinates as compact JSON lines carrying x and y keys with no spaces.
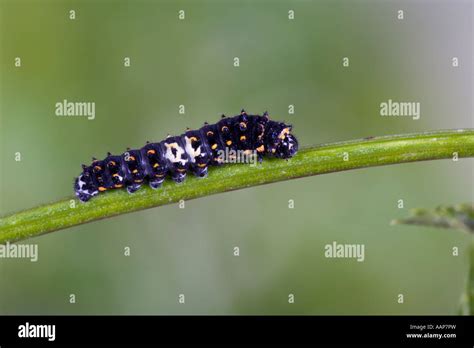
{"x":190,"y":62}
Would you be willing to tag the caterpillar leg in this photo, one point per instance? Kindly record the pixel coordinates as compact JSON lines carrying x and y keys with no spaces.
{"x":200,"y":172}
{"x":178,"y":177}
{"x":156,"y":183}
{"x":133,"y":187}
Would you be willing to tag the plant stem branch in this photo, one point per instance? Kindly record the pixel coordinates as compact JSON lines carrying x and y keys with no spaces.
{"x":470,"y":280}
{"x":315,"y":160}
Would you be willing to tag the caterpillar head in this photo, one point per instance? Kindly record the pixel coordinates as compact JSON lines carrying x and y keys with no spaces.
{"x":85,"y":187}
{"x":282,"y":144}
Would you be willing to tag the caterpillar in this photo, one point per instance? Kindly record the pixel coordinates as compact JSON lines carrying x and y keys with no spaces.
{"x":192,"y":151}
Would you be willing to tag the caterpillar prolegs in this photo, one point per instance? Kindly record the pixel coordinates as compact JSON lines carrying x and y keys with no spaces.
{"x":192,"y":151}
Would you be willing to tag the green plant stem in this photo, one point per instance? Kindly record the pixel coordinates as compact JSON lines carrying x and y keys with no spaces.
{"x":320,"y":159}
{"x":455,"y":217}
{"x":470,"y":280}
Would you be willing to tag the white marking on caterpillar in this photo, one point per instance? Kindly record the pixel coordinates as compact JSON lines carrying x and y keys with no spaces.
{"x":81,"y":185}
{"x":190,"y":150}
{"x":80,"y":182}
{"x":283,"y":133}
{"x":179,"y":152}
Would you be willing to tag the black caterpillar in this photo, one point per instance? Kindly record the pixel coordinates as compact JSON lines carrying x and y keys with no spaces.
{"x":194,"y":150}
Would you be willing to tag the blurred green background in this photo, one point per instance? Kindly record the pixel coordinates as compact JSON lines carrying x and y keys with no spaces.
{"x":190,"y":62}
